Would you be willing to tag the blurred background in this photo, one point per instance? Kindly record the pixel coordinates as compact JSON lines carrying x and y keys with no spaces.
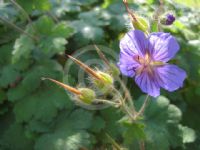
{"x":38,"y":115}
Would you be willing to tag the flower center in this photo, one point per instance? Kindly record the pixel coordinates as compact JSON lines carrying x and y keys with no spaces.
{"x":146,"y":64}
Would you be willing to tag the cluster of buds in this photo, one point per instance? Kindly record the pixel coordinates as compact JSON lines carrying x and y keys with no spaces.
{"x":103,"y":81}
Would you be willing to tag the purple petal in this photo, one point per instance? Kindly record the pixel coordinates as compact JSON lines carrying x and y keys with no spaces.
{"x":134,"y":43}
{"x":127,"y":64}
{"x":172,"y":77}
{"x":148,"y":84}
{"x":162,"y":46}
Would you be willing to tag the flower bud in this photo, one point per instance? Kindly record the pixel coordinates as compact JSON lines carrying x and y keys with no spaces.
{"x":105,"y":78}
{"x":137,"y":22}
{"x":105,"y":82}
{"x":87,"y":95}
{"x":141,"y":24}
{"x":167,"y":19}
{"x":65,"y":86}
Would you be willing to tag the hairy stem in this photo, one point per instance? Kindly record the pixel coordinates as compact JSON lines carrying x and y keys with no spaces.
{"x":127,"y":95}
{"x":124,"y":107}
{"x":132,"y":15}
{"x":18,"y":28}
{"x":126,"y":91}
{"x":53,"y":16}
{"x":142,"y":145}
{"x":107,"y":102}
{"x":115,"y":144}
{"x":141,"y":111}
{"x":23,"y":11}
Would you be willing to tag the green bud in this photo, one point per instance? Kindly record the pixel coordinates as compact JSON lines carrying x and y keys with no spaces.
{"x":87,"y":95}
{"x":141,"y":24}
{"x":105,"y":82}
{"x":106,"y":79}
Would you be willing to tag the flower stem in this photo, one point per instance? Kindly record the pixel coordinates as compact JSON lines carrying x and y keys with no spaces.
{"x":23,"y":11}
{"x":127,"y":95}
{"x":123,"y":105}
{"x":132,"y":15}
{"x":141,"y":111}
{"x":101,"y":55}
{"x":107,"y":102}
{"x":130,"y":111}
{"x":142,"y":145}
{"x":18,"y":28}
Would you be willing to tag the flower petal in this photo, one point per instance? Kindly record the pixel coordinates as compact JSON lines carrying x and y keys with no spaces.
{"x":134,"y":43}
{"x":127,"y":64}
{"x":162,"y":46}
{"x":148,"y":84}
{"x":172,"y":77}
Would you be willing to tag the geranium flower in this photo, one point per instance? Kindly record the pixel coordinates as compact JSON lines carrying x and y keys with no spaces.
{"x":145,"y":58}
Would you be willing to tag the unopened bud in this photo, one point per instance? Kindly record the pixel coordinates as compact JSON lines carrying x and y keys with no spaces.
{"x":87,"y":95}
{"x":65,"y":86}
{"x":140,"y":23}
{"x":85,"y":67}
{"x":105,"y":83}
{"x":137,"y":22}
{"x":84,"y":94}
{"x":167,"y":19}
{"x":105,"y":78}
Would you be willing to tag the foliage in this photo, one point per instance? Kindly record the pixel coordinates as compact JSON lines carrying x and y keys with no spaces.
{"x":36,"y":114}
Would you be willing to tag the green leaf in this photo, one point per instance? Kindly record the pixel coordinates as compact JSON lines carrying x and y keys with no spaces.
{"x":2,"y":96}
{"x":79,"y":120}
{"x":5,"y":54}
{"x":52,"y":36}
{"x":22,"y":48}
{"x":87,"y":32}
{"x":62,"y":29}
{"x":64,"y":6}
{"x":14,"y":138}
{"x":107,"y":3}
{"x":41,"y":105}
{"x":70,"y":132}
{"x":8,"y":76}
{"x":97,"y":124}
{"x":44,"y":25}
{"x":8,"y":12}
{"x":110,"y":116}
{"x":50,"y":40}
{"x":189,"y":3}
{"x":133,"y":132}
{"x":43,"y":5}
{"x":93,"y":17}
{"x":70,"y":140}
{"x":189,"y":135}
{"x":161,"y":121}
{"x":32,"y":79}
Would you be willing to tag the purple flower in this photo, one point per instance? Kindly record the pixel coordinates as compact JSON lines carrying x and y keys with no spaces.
{"x":145,"y":58}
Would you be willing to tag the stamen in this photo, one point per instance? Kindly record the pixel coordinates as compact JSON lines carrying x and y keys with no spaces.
{"x":157,"y":63}
{"x":147,"y":64}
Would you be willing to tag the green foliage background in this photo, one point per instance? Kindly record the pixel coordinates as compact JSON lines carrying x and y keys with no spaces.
{"x":38,"y":115}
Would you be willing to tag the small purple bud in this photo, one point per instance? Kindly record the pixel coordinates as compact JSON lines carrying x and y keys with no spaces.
{"x":170,"y":19}
{"x":167,"y":19}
